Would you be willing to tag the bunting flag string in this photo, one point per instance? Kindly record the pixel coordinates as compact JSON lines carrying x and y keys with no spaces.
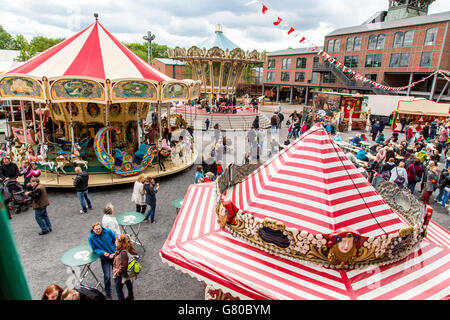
{"x":270,"y":14}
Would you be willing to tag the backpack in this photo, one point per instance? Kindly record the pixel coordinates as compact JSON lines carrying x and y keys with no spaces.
{"x":134,"y":266}
{"x":400,"y":181}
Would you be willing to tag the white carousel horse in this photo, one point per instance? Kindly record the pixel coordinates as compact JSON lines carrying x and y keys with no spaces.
{"x":175,"y":155}
{"x":187,"y":152}
{"x":75,"y":158}
{"x":61,"y":162}
{"x":43,"y":161}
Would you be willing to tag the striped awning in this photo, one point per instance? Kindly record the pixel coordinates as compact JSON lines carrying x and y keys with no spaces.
{"x":198,"y":246}
{"x":312,"y":186}
{"x":91,"y":53}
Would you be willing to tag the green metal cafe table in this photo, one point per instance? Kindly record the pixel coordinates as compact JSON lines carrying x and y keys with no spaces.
{"x":81,"y":257}
{"x":177,"y":203}
{"x":130,"y":220}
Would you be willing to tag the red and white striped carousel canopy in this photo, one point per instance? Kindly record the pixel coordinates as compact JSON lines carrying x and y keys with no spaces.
{"x":91,"y":53}
{"x":312,"y":186}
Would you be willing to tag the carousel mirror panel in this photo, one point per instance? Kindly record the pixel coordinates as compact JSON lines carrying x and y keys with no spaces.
{"x":20,"y":88}
{"x":134,"y":90}
{"x":77,"y":89}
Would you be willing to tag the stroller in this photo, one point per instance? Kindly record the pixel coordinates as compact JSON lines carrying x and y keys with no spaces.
{"x":18,"y":202}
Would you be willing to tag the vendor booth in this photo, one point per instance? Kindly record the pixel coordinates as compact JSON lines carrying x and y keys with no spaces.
{"x":346,"y":107}
{"x":418,"y":112}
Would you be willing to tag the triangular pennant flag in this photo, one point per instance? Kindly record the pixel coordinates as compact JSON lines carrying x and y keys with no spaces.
{"x":302,"y":39}
{"x":291,"y":30}
{"x":264,"y":9}
{"x":278,"y":21}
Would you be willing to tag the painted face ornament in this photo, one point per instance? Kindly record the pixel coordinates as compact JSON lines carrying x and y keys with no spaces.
{"x":343,"y":246}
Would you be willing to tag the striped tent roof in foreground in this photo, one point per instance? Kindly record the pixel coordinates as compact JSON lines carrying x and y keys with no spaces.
{"x":198,"y":246}
{"x":312,"y":186}
{"x":91,"y":53}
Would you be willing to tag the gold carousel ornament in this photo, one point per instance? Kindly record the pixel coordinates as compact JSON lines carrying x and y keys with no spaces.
{"x":217,"y":62}
{"x":106,"y":85}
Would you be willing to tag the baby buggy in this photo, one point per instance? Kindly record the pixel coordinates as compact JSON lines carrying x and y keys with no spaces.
{"x":18,"y":202}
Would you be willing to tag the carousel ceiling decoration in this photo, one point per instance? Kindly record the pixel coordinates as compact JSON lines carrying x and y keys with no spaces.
{"x":90,"y":66}
{"x":217,"y":62}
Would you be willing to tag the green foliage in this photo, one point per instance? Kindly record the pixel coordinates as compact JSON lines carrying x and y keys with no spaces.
{"x":6,"y":40}
{"x":141,"y":49}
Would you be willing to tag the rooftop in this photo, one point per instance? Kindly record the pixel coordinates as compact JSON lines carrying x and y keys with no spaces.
{"x":171,"y":62}
{"x":366,"y":27}
{"x":218,"y":39}
{"x":296,"y":51}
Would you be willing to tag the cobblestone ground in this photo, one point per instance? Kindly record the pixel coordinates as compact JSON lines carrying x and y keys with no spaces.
{"x":41,"y":255}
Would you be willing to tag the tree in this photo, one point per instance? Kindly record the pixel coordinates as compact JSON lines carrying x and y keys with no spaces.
{"x":37,"y":45}
{"x":6,"y":40}
{"x":141,"y":49}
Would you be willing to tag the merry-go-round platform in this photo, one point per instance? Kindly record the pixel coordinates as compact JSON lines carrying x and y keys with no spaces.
{"x":97,"y":179}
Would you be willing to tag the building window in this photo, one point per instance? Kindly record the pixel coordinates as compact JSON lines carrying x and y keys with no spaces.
{"x":351,"y":61}
{"x":425,"y":59}
{"x":271,"y":64}
{"x":399,"y":60}
{"x":314,"y":77}
{"x":270,"y":76}
{"x":333,"y":45}
{"x":373,"y":60}
{"x":430,"y":37}
{"x":285,"y":76}
{"x":286,"y":63}
{"x":376,"y":41}
{"x":403,"y":39}
{"x":353,"y":44}
{"x":371,"y":76}
{"x":301,"y":63}
{"x":299,"y":77}
{"x":316,"y":62}
{"x":328,"y":77}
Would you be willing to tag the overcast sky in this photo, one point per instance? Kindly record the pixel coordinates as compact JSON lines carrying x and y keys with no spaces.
{"x":185,"y":23}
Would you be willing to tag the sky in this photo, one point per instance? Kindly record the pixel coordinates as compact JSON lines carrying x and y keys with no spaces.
{"x":186,"y":23}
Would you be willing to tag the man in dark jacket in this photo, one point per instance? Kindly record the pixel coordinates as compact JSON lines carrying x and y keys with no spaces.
{"x":103,"y":242}
{"x":81,"y":185}
{"x":8,"y":169}
{"x":40,"y":202}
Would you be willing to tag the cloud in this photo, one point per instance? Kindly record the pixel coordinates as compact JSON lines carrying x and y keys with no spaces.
{"x":186,"y":23}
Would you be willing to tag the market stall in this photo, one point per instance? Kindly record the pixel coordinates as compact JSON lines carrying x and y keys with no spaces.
{"x":419,"y":112}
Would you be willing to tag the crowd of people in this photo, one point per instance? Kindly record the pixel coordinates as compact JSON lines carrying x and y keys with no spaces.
{"x":408,"y":159}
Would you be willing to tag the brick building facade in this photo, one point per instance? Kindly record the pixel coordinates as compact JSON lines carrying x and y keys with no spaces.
{"x":393,"y":52}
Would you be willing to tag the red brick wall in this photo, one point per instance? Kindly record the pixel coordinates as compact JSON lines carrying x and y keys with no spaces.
{"x":168,"y":69}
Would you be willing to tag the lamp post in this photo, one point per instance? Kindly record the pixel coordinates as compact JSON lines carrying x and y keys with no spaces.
{"x":149,"y":37}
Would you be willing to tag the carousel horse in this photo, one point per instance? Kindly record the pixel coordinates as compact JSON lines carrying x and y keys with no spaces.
{"x":175,"y":154}
{"x":43,"y":161}
{"x":61,"y":162}
{"x":187,"y":151}
{"x":75,"y":158}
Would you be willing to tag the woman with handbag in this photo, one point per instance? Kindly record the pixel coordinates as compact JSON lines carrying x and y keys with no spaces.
{"x":399,"y":175}
{"x":414,"y":173}
{"x":124,"y":248}
{"x":151,"y":188}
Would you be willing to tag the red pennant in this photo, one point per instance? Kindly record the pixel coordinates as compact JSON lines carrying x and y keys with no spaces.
{"x":277,"y":22}
{"x":264,"y":9}
{"x":291,"y":30}
{"x":302,"y":39}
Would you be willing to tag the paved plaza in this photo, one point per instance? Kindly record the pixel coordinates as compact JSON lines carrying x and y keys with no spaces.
{"x":41,"y":255}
